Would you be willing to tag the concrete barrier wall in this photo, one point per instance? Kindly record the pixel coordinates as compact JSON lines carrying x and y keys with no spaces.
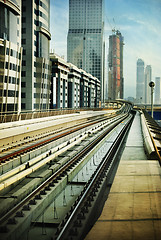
{"x":149,"y":148}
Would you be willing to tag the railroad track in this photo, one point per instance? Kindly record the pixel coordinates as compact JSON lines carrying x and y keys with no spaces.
{"x":30,"y":144}
{"x":49,"y":188}
{"x":75,"y":223}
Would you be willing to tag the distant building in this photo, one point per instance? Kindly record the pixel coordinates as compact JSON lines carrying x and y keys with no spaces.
{"x":59,"y":82}
{"x":115,"y":66}
{"x":85,"y":45}
{"x":140,"y":84}
{"x":84,"y":89}
{"x":36,"y":36}
{"x":10,"y":56}
{"x":74,"y":78}
{"x":72,"y":87}
{"x":148,"y":79}
{"x":157,"y":90}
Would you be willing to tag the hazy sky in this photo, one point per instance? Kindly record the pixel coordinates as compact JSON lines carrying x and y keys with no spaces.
{"x":139,"y":21}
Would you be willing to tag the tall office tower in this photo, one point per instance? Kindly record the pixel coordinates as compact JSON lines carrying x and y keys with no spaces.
{"x":10,"y":55}
{"x":148,"y":79}
{"x":157,"y":90}
{"x":115,"y":66}
{"x":140,"y":85}
{"x":85,"y":44}
{"x":35,"y":62}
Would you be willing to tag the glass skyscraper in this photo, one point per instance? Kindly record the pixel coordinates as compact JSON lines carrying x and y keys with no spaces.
{"x":148,"y":79}
{"x":85,"y":44}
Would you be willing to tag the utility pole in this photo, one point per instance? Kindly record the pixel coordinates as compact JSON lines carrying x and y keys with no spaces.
{"x":152,"y":84}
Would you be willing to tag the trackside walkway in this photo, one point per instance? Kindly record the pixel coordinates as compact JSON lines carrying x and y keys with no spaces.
{"x":133,"y":208}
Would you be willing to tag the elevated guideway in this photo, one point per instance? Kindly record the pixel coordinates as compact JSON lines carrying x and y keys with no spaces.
{"x":133,"y":207}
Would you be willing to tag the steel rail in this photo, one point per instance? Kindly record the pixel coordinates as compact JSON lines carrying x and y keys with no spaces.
{"x":60,"y":171}
{"x":57,"y":136}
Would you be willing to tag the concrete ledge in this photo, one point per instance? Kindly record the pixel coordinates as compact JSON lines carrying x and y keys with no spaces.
{"x":147,"y":138}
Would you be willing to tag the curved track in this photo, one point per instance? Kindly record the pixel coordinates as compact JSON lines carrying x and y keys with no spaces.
{"x":61,"y":173}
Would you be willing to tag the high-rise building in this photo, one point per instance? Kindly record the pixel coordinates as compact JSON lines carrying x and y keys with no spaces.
{"x":148,"y":79}
{"x":10,"y":55}
{"x":85,"y":44}
{"x":115,"y":66}
{"x":36,"y":36}
{"x":157,"y":90}
{"x":140,"y":84}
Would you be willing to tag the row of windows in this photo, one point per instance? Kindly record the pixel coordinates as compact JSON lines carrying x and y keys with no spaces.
{"x":40,"y":24}
{"x":42,"y":95}
{"x":40,"y":3}
{"x":11,"y":80}
{"x":42,"y":85}
{"x":41,"y":14}
{"x":24,"y":53}
{"x":45,"y":65}
{"x":37,"y":75}
{"x":13,"y":53}
{"x":36,"y":95}
{"x":43,"y":75}
{"x":12,"y":66}
{"x":36,"y":106}
{"x":11,"y":93}
{"x":10,"y":107}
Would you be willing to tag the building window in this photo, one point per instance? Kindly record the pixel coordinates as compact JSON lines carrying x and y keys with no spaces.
{"x":24,"y":9}
{"x":23,"y":30}
{"x":23,"y":84}
{"x":23,"y":73}
{"x":6,"y":65}
{"x":23,"y":95}
{"x":23,"y":105}
{"x":23,"y":63}
{"x":23,"y":41}
{"x":7,"y":51}
{"x":23,"y":20}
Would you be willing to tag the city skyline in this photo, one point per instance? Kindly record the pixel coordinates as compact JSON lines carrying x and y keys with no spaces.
{"x":139,"y":23}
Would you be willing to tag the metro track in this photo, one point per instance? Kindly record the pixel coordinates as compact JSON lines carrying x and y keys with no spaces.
{"x":75,"y":223}
{"x":41,"y":141}
{"x":61,"y":174}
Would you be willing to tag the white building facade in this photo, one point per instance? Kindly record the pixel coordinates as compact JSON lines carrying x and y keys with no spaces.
{"x":74,"y":77}
{"x":59,"y":82}
{"x":85,"y":43}
{"x":35,"y":63}
{"x":10,"y":56}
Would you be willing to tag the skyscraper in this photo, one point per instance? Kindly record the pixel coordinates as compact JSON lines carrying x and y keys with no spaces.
{"x":35,"y":63}
{"x":148,"y":79}
{"x":115,"y":66}
{"x":10,"y":55}
{"x":157,"y":90}
{"x":85,"y":46}
{"x":140,"y":85}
